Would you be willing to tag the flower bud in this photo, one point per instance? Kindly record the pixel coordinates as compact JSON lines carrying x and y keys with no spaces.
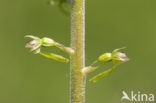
{"x":48,"y":42}
{"x":105,"y":57}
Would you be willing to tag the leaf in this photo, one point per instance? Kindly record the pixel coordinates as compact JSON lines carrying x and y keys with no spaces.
{"x":101,"y":75}
{"x":55,"y":57}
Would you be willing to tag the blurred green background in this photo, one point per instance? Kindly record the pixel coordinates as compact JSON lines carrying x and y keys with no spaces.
{"x":110,"y":24}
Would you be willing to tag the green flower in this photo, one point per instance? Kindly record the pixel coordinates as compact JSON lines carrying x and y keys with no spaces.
{"x":36,"y":43}
{"x":116,"y":56}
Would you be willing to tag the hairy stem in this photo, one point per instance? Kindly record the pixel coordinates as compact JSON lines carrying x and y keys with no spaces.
{"x":78,"y":58}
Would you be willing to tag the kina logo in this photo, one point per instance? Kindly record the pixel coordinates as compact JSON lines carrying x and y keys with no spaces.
{"x":137,"y":97}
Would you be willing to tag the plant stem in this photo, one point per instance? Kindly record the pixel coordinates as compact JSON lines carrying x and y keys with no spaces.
{"x":78,"y":58}
{"x":65,"y":49}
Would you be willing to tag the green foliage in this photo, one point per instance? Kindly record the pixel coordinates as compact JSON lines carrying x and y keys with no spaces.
{"x":105,"y":73}
{"x":55,"y":57}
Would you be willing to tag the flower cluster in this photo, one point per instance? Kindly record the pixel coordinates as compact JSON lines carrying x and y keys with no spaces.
{"x":36,"y":43}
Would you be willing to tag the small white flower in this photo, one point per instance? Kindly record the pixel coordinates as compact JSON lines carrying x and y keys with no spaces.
{"x":119,"y":57}
{"x":34,"y":44}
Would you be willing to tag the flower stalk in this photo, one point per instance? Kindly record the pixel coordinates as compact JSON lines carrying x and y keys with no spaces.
{"x":78,"y":59}
{"x":68,"y":50}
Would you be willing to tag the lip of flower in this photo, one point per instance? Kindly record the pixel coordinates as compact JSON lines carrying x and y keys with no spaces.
{"x":34,"y":45}
{"x":120,"y":57}
{"x":30,"y":43}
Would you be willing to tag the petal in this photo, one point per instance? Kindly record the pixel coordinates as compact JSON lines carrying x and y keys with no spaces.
{"x":35,"y":47}
{"x":32,"y":37}
{"x":37,"y":51}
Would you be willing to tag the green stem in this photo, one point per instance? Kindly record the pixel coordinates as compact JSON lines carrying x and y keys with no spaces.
{"x":78,"y":58}
{"x":68,"y":50}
